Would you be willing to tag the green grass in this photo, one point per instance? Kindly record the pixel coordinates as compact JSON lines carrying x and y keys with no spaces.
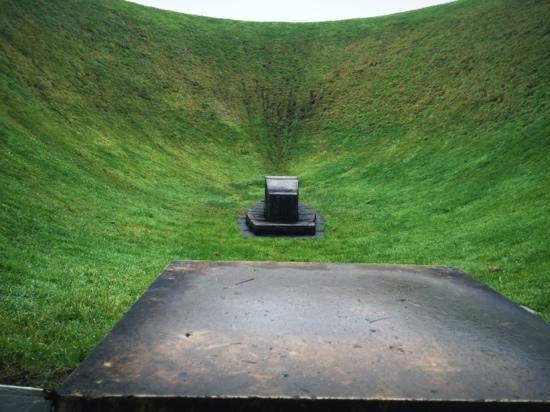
{"x":132,"y":136}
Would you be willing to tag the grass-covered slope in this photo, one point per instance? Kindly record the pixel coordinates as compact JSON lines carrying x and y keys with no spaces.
{"x":131,"y":136}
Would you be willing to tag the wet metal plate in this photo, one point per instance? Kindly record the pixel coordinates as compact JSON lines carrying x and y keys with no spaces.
{"x":269,"y":335}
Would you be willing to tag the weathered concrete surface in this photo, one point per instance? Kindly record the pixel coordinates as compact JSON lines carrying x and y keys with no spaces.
{"x":279,"y":335}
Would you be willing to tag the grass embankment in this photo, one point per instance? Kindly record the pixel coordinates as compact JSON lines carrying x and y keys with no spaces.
{"x":132,"y":136}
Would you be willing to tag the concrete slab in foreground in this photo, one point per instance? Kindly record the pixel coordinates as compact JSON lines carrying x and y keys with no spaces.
{"x":238,"y":335}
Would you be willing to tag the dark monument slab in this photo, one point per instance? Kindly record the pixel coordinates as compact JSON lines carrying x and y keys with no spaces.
{"x":281,"y":199}
{"x":281,"y":213}
{"x":279,"y":336}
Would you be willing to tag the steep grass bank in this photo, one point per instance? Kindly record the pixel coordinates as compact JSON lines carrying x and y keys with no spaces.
{"x":132,"y":136}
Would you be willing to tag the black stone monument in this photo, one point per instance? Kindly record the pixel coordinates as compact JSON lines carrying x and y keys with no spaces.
{"x":281,"y":213}
{"x":281,"y":199}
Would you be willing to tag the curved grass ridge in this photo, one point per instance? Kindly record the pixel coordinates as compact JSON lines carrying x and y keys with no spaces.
{"x":132,"y":136}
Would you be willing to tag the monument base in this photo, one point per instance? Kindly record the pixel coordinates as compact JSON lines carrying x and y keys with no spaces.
{"x":308,"y":223}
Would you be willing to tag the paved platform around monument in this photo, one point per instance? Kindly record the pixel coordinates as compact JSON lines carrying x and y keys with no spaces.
{"x":299,"y":332}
